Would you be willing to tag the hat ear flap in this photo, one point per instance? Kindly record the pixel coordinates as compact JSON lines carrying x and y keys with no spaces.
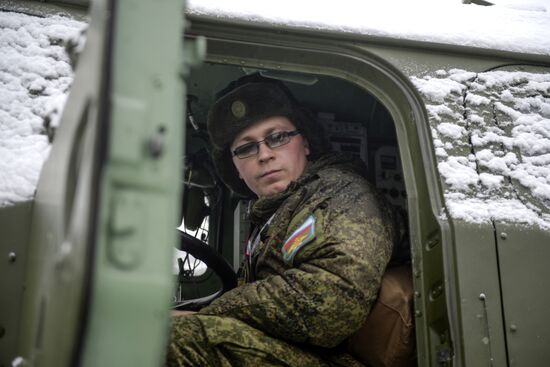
{"x":223,"y":162}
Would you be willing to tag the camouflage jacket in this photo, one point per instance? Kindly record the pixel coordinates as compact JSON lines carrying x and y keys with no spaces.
{"x":316,"y":270}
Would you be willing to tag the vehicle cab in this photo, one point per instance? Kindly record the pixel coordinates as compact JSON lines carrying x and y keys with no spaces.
{"x":454,"y":131}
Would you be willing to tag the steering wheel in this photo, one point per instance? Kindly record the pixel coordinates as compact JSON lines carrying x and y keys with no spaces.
{"x":209,"y":256}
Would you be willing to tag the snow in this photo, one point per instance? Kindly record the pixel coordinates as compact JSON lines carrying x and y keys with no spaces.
{"x":477,"y":100}
{"x":516,"y":26}
{"x":493,"y":151}
{"x":438,"y":89}
{"x":189,"y":263}
{"x":491,"y":131}
{"x":458,"y":172}
{"x":509,"y":210}
{"x":35,"y":77}
{"x":451,"y":130}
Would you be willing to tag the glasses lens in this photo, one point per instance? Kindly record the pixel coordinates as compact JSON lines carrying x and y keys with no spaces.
{"x":277,"y":139}
{"x":272,"y":141}
{"x":246,"y":150}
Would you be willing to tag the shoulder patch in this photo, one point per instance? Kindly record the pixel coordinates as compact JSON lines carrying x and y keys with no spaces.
{"x":304,"y":234}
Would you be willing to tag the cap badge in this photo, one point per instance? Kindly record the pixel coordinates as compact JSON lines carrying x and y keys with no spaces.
{"x":238,"y":108}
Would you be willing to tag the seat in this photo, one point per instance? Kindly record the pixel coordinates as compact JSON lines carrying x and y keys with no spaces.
{"x":387,"y":337}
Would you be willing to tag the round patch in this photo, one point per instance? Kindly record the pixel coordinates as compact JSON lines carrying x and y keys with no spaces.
{"x":238,"y":108}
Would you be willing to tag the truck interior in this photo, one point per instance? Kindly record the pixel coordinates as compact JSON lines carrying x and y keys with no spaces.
{"x":354,"y":120}
{"x":214,"y":219}
{"x":84,"y":250}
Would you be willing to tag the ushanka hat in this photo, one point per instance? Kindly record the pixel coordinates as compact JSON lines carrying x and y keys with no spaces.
{"x":246,"y":101}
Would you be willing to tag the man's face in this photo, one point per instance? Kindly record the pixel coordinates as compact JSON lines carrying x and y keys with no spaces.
{"x":271,"y":170}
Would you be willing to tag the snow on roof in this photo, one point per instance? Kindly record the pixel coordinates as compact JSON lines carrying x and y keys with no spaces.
{"x":35,"y":76}
{"x":510,"y":25}
{"x":491,"y":130}
{"x":492,"y":140}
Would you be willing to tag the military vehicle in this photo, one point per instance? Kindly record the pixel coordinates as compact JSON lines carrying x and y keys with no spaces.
{"x":456,"y":136}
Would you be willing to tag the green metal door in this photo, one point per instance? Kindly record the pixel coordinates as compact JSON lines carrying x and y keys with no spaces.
{"x":99,"y":282}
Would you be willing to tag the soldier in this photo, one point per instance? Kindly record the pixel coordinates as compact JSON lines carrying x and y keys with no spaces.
{"x":321,"y":241}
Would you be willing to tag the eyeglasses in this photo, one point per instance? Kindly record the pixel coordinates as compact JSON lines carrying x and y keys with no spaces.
{"x":274,"y":140}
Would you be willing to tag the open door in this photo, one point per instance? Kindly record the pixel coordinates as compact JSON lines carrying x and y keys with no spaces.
{"x":98,"y":281}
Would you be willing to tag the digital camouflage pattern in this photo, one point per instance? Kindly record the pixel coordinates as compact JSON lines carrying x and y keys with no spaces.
{"x":298,"y":312}
{"x":224,"y":341}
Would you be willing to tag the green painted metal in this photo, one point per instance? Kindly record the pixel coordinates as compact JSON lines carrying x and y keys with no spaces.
{"x":458,"y":305}
{"x":478,"y":307}
{"x":15,"y":221}
{"x":72,"y":9}
{"x":56,"y":277}
{"x":132,"y":282}
{"x":523,"y":254}
{"x":392,"y":88}
{"x":34,"y":273}
{"x":99,"y":259}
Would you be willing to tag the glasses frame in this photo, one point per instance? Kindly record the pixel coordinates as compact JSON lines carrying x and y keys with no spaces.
{"x":287,"y":136}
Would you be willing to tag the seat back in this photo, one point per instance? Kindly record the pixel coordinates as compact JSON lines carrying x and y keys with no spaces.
{"x":387,"y":337}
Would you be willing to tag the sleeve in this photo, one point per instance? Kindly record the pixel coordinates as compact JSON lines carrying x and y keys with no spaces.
{"x":334,"y":280}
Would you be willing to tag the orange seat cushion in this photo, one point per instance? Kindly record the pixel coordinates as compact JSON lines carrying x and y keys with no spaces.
{"x":387,"y":338}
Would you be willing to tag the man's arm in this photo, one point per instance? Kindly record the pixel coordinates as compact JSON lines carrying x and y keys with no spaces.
{"x":328,"y":294}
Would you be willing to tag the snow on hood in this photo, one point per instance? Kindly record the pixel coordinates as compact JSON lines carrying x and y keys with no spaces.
{"x":508,"y":26}
{"x":35,"y":76}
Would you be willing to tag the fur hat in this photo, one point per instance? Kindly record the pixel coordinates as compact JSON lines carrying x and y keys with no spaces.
{"x":246,"y":103}
{"x":243,"y":106}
